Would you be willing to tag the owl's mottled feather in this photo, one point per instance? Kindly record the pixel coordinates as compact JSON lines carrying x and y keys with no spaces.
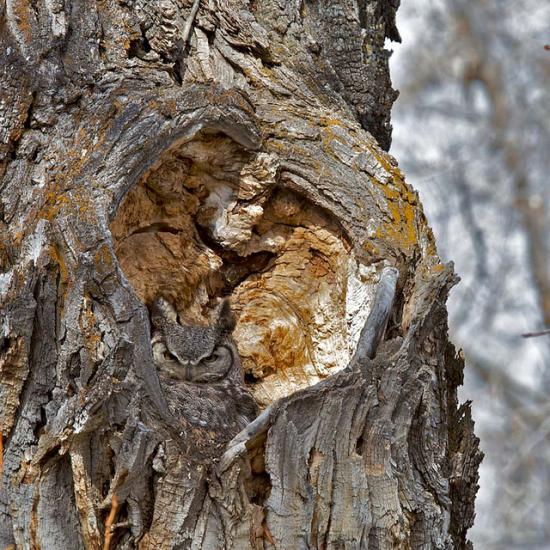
{"x":201,"y":374}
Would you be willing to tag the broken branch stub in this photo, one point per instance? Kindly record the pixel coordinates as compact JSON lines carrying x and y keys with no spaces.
{"x":376,"y":323}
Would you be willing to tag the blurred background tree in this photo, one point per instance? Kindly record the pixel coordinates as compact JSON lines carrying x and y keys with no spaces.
{"x":472,"y":134}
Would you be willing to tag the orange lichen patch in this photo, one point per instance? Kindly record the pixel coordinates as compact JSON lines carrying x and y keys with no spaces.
{"x":331,"y":121}
{"x":89,"y":329}
{"x":438,"y":268}
{"x":14,"y":369}
{"x":82,"y":205}
{"x":53,"y":202}
{"x":402,"y":229}
{"x":401,"y":205}
{"x":103,"y":260}
{"x":371,"y":249}
{"x":58,"y":257}
{"x":6,"y":250}
{"x":330,"y":138}
{"x":23,"y":13}
{"x":23,"y":102}
{"x":383,"y":160}
{"x":60,"y":193}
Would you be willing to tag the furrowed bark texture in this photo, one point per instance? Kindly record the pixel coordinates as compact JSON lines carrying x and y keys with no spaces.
{"x":148,"y":150}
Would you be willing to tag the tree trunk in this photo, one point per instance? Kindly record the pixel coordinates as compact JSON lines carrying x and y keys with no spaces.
{"x":193,"y":150}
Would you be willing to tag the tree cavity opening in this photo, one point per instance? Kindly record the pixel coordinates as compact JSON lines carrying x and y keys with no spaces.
{"x":210,"y":220}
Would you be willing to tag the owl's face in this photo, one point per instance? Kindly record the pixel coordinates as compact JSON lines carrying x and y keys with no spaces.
{"x":194,"y":353}
{"x":210,"y":367}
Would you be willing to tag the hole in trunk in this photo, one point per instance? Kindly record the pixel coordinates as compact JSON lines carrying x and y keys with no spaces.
{"x":210,"y":220}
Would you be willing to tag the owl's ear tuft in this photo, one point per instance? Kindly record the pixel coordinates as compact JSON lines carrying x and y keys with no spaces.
{"x":156,"y":310}
{"x":226,"y":319}
{"x":161,"y":309}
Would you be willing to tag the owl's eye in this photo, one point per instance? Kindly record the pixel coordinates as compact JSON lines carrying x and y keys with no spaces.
{"x":172,"y":356}
{"x":211,"y":358}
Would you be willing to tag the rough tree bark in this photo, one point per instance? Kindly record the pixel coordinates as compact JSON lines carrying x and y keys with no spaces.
{"x":195,"y":150}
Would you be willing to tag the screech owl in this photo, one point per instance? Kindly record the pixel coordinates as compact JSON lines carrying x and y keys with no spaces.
{"x":200,"y":371}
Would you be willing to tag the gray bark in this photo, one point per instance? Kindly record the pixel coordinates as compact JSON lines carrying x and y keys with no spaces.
{"x":95,"y":98}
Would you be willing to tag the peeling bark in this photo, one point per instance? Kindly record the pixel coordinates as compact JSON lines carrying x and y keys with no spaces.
{"x":150,"y":149}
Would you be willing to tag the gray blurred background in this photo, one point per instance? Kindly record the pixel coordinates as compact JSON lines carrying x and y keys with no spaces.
{"x":472,"y":134}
